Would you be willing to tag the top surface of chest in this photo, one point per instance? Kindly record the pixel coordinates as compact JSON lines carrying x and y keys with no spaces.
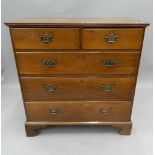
{"x":76,"y":22}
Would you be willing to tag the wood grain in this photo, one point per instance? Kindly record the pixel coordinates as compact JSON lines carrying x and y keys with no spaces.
{"x":77,"y":63}
{"x":80,"y":111}
{"x":128,"y":38}
{"x":63,"y":38}
{"x":77,"y":88}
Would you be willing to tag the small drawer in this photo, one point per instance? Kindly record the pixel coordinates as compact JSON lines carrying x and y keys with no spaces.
{"x":78,"y":111}
{"x":45,"y":38}
{"x":77,"y":63}
{"x":112,"y":38}
{"x":97,"y":88}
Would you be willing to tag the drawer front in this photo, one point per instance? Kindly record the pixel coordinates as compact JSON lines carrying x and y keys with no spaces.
{"x":45,"y":38}
{"x":47,"y":88}
{"x":80,"y":111}
{"x":112,"y":38}
{"x":77,"y":63}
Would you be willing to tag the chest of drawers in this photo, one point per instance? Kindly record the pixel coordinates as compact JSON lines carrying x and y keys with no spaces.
{"x":77,"y":71}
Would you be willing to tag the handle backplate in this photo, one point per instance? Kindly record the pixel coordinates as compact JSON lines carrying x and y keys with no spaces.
{"x":109,"y":63}
{"x":50,"y":88}
{"x":111,"y":38}
{"x":49,"y":63}
{"x":53,"y":111}
{"x":45,"y":38}
{"x":107,"y":87}
{"x":105,"y":111}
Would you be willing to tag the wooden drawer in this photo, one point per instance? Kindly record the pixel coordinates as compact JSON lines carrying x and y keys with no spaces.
{"x":45,"y":38}
{"x":112,"y":38}
{"x":77,"y":63}
{"x":50,"y":88}
{"x":78,"y":111}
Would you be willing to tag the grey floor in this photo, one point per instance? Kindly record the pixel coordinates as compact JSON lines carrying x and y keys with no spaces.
{"x":76,"y":140}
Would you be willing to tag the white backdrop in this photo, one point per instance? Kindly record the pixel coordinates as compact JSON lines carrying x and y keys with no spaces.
{"x":13,"y":9}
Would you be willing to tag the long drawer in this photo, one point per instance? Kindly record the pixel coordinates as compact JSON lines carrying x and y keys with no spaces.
{"x":77,"y":63}
{"x":78,"y":111}
{"x":45,"y":38}
{"x":104,"y":88}
{"x":112,"y":38}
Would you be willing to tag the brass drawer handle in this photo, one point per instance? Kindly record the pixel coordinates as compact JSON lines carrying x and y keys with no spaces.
{"x":49,"y":63}
{"x":109,"y":63}
{"x":105,"y":111}
{"x":45,"y":38}
{"x":107,"y":87}
{"x":111,"y":38}
{"x":53,"y":111}
{"x":50,"y":88}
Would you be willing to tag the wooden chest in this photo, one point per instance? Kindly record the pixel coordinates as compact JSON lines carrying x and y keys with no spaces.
{"x":77,"y":71}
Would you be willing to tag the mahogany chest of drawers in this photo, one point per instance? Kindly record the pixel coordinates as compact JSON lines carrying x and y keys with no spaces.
{"x":77,"y":71}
